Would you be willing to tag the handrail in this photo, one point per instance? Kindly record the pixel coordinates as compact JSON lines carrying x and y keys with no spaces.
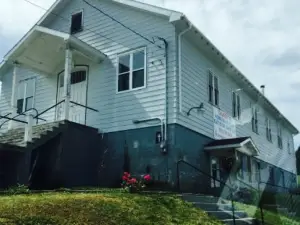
{"x":13,"y":119}
{"x":21,"y":114}
{"x":84,"y":106}
{"x":46,"y":110}
{"x":275,"y":185}
{"x":259,"y":203}
{"x":210,"y":176}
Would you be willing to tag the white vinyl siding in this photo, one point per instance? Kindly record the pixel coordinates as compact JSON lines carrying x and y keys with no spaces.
{"x":117,"y":110}
{"x":195,"y":64}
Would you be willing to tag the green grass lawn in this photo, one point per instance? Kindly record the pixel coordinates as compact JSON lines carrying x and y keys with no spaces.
{"x":271,"y":218}
{"x":103,"y":208}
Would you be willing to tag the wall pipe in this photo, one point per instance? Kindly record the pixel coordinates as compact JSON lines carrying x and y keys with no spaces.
{"x":180,"y":63}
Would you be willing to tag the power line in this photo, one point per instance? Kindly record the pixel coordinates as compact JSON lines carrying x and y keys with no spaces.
{"x":117,"y":21}
{"x":55,"y":14}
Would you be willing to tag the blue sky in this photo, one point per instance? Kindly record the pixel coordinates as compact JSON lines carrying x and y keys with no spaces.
{"x":258,"y":36}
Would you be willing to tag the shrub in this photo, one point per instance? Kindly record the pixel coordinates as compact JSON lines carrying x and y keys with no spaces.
{"x":19,"y":189}
{"x":133,"y":184}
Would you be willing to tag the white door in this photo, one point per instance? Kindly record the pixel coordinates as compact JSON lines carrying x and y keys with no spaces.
{"x":78,"y":95}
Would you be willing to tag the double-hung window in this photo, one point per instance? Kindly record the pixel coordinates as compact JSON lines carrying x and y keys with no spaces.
{"x":236,"y":105}
{"x":279,"y":136}
{"x":289,"y":147}
{"x":132,"y":70}
{"x":268,"y":130}
{"x":26,"y":90}
{"x":213,"y":89}
{"x":254,"y":119}
{"x":257,"y":171}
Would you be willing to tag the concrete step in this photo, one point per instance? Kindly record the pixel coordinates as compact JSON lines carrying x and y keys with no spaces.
{"x":212,"y":206}
{"x":202,"y":198}
{"x":222,"y":214}
{"x":243,"y":221}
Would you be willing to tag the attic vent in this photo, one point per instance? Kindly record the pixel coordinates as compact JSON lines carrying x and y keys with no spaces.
{"x":76,"y":23}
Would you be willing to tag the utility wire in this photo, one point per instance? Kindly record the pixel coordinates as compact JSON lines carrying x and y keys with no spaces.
{"x":117,"y":21}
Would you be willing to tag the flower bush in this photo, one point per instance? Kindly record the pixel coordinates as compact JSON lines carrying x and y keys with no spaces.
{"x":133,"y":184}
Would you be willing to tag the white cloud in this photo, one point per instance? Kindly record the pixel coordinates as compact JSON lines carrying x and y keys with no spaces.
{"x":260,"y":39}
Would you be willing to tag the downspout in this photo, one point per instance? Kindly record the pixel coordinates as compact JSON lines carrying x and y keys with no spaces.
{"x":165,"y":134}
{"x":180,"y":63}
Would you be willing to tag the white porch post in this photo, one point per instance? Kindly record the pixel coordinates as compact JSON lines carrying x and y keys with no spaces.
{"x":13,"y":104}
{"x":67,"y":82}
{"x":28,"y":127}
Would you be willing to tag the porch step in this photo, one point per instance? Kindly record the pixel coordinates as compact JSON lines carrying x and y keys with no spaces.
{"x":223,"y":215}
{"x":220,"y":209}
{"x":242,"y":221}
{"x":202,"y":199}
{"x":15,"y":137}
{"x":212,"y":206}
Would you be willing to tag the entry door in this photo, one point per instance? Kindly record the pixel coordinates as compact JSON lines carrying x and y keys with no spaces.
{"x":215,"y":171}
{"x":78,"y":95}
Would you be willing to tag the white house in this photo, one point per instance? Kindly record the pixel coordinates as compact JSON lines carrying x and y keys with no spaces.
{"x":150,"y":82}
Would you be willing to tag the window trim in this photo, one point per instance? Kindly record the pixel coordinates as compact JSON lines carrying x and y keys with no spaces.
{"x":289,"y":147}
{"x":25,"y":97}
{"x":279,"y":136}
{"x":254,"y":120}
{"x":214,"y":89}
{"x":268,"y":130}
{"x":236,"y":105}
{"x":131,"y":52}
{"x":82,"y":21}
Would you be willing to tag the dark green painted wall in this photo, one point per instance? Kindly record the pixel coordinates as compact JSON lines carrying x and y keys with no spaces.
{"x":146,"y":156}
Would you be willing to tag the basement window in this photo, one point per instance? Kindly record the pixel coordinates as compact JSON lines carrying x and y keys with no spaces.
{"x":76,"y":22}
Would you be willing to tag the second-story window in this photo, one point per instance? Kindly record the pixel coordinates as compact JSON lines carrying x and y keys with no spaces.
{"x":132,"y":70}
{"x":289,"y":147}
{"x":236,"y":105}
{"x":268,"y":130}
{"x":254,"y":119}
{"x":76,"y":22}
{"x":213,"y":89}
{"x":279,"y":136}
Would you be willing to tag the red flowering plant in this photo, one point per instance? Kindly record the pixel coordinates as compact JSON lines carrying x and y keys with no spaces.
{"x":133,"y":184}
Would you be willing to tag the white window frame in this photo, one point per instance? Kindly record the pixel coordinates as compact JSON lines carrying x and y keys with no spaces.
{"x":82,"y":21}
{"x":279,"y":136}
{"x":289,"y":147}
{"x":131,"y":52}
{"x":236,"y":105}
{"x":254,"y":121}
{"x":33,"y":79}
{"x":268,"y":129}
{"x":213,"y":100}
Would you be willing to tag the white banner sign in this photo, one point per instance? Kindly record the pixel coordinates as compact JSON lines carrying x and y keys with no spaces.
{"x":224,"y":125}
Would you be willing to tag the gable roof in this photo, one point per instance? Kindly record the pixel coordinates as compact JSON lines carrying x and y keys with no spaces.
{"x":173,"y":16}
{"x":242,"y":144}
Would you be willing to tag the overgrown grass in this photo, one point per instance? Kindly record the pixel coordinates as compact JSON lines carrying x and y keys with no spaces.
{"x":270,"y":218}
{"x":105,"y":208}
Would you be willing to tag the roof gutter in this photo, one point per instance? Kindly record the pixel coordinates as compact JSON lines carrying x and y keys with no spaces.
{"x":180,"y":35}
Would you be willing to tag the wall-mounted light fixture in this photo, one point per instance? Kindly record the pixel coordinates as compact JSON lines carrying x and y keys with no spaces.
{"x":237,"y":90}
{"x":199,"y":109}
